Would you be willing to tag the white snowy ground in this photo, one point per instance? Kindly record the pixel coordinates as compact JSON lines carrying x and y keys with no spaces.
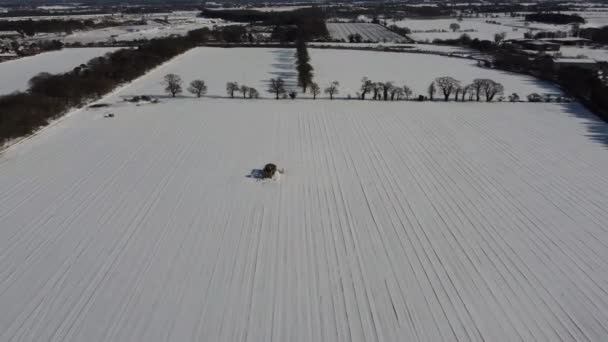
{"x":16,"y":74}
{"x":136,"y":32}
{"x":393,"y":222}
{"x":254,"y":67}
{"x":474,"y":27}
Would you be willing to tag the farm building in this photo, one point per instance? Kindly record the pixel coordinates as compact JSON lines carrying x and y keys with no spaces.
{"x":538,"y":45}
{"x":584,"y":63}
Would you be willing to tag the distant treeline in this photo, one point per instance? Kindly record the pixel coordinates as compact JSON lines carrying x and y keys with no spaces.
{"x":582,"y":83}
{"x":597,"y":35}
{"x":31,"y":27}
{"x":555,"y":18}
{"x":50,"y":96}
{"x":19,"y":11}
{"x":308,"y":23}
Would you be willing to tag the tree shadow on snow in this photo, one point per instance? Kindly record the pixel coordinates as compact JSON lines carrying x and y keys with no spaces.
{"x":284,"y":67}
{"x":597,"y":128}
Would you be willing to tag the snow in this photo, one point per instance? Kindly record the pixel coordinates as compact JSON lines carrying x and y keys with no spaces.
{"x":255,"y":66}
{"x":136,"y":32}
{"x":394,"y":222}
{"x":17,"y":73}
{"x":368,"y":31}
{"x":514,"y":28}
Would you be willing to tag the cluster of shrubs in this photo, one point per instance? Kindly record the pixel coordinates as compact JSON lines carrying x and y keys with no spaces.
{"x":50,"y":96}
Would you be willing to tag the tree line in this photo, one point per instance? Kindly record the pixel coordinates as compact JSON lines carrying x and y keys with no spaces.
{"x":31,"y":27}
{"x":50,"y":96}
{"x":555,"y":18}
{"x":306,"y":23}
{"x":445,"y":87}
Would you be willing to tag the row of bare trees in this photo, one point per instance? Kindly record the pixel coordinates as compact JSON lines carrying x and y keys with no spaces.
{"x":246,"y":91}
{"x":480,"y":87}
{"x":276,"y":86}
{"x":446,"y":86}
{"x":383,"y":90}
{"x":174,"y":86}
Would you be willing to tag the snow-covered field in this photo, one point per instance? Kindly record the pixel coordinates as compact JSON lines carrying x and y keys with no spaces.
{"x":393,"y":222}
{"x":136,"y":32}
{"x":16,"y":74}
{"x":429,"y":29}
{"x":368,"y":31}
{"x":254,"y":67}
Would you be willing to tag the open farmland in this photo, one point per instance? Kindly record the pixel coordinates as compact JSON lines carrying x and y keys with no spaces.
{"x":217,"y":66}
{"x":368,"y":31}
{"x":394,"y":221}
{"x":137,"y":32}
{"x":16,"y":74}
{"x":429,"y":29}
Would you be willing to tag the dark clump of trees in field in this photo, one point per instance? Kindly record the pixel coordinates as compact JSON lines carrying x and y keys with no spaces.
{"x":597,"y":35}
{"x":555,"y":18}
{"x":50,"y":96}
{"x":306,"y":23}
{"x":303,"y":66}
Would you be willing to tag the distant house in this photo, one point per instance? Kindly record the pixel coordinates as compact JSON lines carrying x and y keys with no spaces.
{"x":583,"y":63}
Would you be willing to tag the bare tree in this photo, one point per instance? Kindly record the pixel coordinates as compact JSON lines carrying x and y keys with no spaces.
{"x":457,"y":92}
{"x":253,"y":93}
{"x":366,"y":86}
{"x":471,"y":92}
{"x":244,"y":90}
{"x":431,"y":90}
{"x":198,"y":88}
{"x":407,"y":92}
{"x":447,"y":85}
{"x":514,"y":97}
{"x":386,"y":89}
{"x":534,"y":97}
{"x":231,"y":87}
{"x":397,"y":93}
{"x":173,"y":84}
{"x":491,"y":89}
{"x":477,"y":86}
{"x":332,"y":89}
{"x":277,"y":87}
{"x":454,"y":27}
{"x":499,"y":37}
{"x":314,"y":90}
{"x":376,"y":86}
{"x":465,"y":90}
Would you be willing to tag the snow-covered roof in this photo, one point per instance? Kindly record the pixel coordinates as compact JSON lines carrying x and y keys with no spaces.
{"x":575,"y":60}
{"x":566,"y":39}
